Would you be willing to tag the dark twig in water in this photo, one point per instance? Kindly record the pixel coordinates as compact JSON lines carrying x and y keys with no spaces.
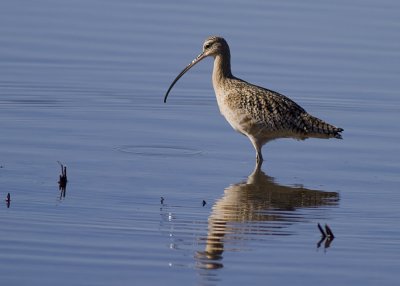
{"x":8,"y":200}
{"x":329,"y":232}
{"x":204,"y":203}
{"x":62,"y":182}
{"x":326,"y":236}
{"x":162,"y":200}
{"x":322,"y":231}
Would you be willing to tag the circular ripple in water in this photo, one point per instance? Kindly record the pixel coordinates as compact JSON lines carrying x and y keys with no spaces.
{"x":158,"y":150}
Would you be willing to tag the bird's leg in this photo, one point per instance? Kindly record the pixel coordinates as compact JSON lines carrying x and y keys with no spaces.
{"x":257,"y":146}
{"x":259,"y":159}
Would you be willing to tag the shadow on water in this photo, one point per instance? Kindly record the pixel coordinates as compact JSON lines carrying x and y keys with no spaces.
{"x":258,"y":206}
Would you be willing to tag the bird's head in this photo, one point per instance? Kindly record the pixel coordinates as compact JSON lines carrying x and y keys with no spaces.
{"x":215,"y":45}
{"x":212,"y":46}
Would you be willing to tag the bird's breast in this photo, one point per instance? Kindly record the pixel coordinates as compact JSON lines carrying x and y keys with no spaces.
{"x":237,"y":118}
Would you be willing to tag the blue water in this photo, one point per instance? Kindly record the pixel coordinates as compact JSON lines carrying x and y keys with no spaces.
{"x":82,"y":82}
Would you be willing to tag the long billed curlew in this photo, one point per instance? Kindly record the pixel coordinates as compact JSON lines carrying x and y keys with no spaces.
{"x":259,"y":113}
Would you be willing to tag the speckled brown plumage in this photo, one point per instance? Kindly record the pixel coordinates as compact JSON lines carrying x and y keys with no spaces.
{"x":272,"y":113}
{"x":259,"y":113}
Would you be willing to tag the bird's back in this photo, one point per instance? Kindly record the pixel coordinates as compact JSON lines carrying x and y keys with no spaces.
{"x":267,"y":115}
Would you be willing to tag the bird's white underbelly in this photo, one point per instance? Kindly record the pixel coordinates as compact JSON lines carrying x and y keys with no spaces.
{"x":231,"y":118}
{"x":234,"y":117}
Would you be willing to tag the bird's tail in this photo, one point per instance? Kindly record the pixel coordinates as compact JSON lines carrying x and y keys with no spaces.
{"x":315,"y":127}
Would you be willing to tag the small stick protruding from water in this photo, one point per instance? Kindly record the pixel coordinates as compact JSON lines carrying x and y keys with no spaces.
{"x":8,"y":200}
{"x":322,"y":231}
{"x":326,"y":236}
{"x":329,"y":232}
{"x":62,"y":182}
{"x":63,"y":176}
{"x":204,"y":203}
{"x":162,"y":200}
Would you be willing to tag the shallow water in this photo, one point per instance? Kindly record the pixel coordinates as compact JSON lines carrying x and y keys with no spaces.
{"x":82,"y":82}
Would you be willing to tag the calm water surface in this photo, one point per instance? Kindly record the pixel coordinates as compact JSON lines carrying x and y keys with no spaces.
{"x":82,"y":82}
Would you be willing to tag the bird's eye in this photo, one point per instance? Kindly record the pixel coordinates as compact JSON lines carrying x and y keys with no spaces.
{"x":207,"y":46}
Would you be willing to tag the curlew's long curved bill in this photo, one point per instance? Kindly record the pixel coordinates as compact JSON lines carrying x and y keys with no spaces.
{"x":195,"y":61}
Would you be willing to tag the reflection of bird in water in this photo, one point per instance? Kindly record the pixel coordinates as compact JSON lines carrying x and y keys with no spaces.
{"x":257,"y":206}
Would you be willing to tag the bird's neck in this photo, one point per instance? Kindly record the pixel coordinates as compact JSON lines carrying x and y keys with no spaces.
{"x":222,"y":69}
